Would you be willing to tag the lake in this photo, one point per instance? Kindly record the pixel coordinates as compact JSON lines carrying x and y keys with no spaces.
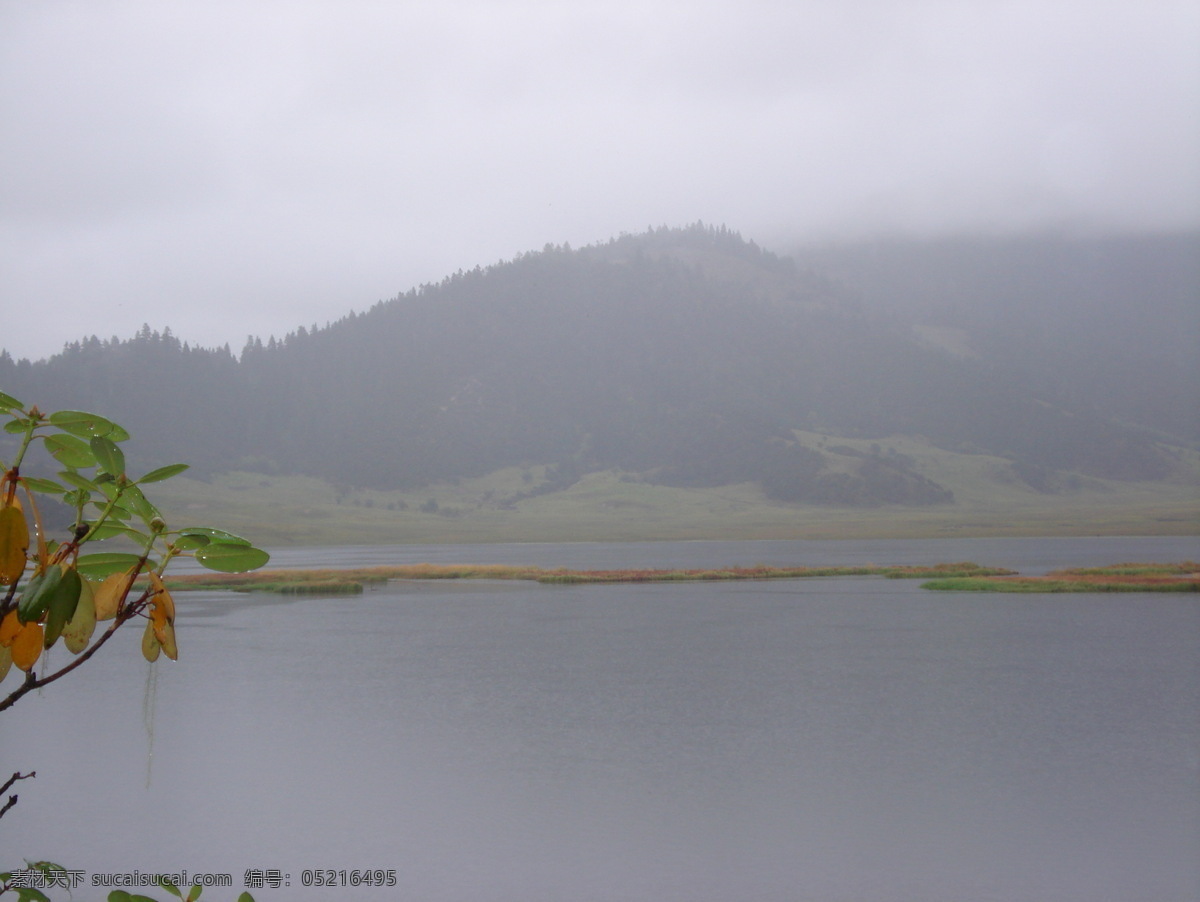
{"x":833,"y":739}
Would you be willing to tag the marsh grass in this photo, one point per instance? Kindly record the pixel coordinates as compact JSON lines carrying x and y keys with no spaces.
{"x":1036,"y":584}
{"x":1134,"y":569}
{"x":963,"y":576}
{"x":1129,"y":577}
{"x":330,"y":587}
{"x":333,"y":581}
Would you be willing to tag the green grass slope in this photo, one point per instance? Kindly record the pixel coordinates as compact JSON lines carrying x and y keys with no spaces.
{"x":518,"y":504}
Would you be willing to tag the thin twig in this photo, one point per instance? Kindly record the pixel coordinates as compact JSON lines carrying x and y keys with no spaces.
{"x":12,"y":799}
{"x":14,"y":778}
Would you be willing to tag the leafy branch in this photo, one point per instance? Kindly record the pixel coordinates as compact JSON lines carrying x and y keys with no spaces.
{"x":62,"y":589}
{"x":54,"y":590}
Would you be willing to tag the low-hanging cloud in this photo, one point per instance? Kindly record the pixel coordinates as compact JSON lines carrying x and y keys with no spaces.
{"x":231,"y":169}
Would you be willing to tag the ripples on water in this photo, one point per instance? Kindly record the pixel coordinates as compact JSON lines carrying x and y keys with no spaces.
{"x":824,"y":739}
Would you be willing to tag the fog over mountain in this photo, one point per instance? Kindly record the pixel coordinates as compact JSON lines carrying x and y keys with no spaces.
{"x":240,"y":168}
{"x":691,"y":357}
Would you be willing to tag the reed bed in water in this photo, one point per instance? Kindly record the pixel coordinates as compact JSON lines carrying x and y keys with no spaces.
{"x":1130,"y":577}
{"x":346,"y":581}
{"x":1183,"y":568}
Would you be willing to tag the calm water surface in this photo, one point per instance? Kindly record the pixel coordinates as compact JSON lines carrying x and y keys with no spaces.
{"x":851,"y":739}
{"x":1031,"y":556}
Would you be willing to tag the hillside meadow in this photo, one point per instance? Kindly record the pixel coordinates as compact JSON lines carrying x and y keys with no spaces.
{"x":521,"y":505}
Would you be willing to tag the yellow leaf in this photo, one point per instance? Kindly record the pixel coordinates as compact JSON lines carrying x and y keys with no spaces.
{"x":163,"y":628}
{"x":5,"y":662}
{"x":14,"y":543}
{"x":150,"y":644}
{"x":9,"y":627}
{"x":162,"y":618}
{"x":27,"y":646}
{"x":158,"y":621}
{"x":78,"y":633}
{"x":162,"y":598}
{"x":167,"y":640}
{"x":109,"y":594}
{"x":43,"y":553}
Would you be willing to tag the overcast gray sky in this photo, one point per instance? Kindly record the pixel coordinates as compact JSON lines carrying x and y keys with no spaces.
{"x":236,"y":168}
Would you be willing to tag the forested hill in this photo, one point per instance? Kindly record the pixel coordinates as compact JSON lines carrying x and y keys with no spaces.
{"x":685,"y":356}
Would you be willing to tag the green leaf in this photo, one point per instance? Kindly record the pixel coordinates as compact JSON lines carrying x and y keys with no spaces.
{"x":47,"y":866}
{"x":8,"y":402}
{"x":215,"y":535}
{"x":60,"y":607}
{"x":16,"y":427}
{"x":119,"y":895}
{"x":70,"y":451}
{"x":188,"y":543}
{"x":38,"y":592}
{"x":116,"y":512}
{"x":245,"y":897}
{"x":45,"y":486}
{"x":137,"y":502}
{"x":80,"y":482}
{"x":136,"y":898}
{"x":110,"y":458}
{"x":109,"y":529}
{"x":87,"y":425}
{"x":106,"y":563}
{"x":228,"y":558}
{"x":169,"y":886}
{"x":163,"y":473}
{"x":194,"y":893}
{"x":75,"y":498}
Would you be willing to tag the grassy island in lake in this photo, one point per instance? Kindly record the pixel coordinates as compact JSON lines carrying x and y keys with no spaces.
{"x":955,"y":577}
{"x":1130,"y":577}
{"x":350,"y":581}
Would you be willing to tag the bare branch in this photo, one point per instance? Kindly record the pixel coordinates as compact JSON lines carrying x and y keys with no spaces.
{"x":14,"y":778}
{"x":12,"y":799}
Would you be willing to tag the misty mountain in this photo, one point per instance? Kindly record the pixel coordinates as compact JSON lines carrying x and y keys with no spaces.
{"x":1109,"y":322}
{"x":690,"y":357}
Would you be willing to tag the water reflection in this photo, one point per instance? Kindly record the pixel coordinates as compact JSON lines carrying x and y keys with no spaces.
{"x":826,"y":739}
